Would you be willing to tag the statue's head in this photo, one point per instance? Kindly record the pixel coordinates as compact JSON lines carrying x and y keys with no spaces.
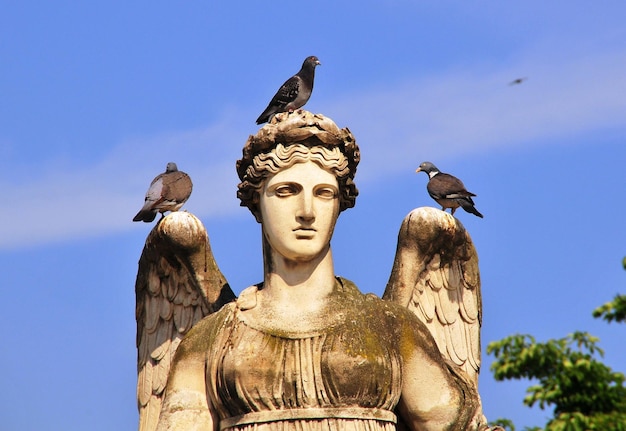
{"x":297,"y":138}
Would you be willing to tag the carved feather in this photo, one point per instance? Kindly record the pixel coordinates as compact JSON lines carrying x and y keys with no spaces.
{"x":178,"y":283}
{"x":435,"y":274}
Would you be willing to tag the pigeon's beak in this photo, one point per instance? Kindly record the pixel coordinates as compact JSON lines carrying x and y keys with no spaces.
{"x":418,"y":170}
{"x":318,"y":63}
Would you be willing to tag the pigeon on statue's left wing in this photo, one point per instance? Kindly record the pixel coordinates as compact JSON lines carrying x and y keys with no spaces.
{"x":294,"y":93}
{"x":448,"y":190}
{"x":167,"y":192}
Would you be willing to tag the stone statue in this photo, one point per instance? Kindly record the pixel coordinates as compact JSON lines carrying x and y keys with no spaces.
{"x":305,"y":350}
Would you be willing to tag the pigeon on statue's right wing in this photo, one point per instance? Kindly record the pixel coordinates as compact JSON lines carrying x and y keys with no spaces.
{"x":447,"y":190}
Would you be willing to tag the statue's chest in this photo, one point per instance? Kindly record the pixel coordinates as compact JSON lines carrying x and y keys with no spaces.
{"x":339,"y":367}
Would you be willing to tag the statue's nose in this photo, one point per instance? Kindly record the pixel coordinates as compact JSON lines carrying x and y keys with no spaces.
{"x":306,"y":211}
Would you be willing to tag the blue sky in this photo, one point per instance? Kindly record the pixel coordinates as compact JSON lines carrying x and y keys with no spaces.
{"x":96,"y":98}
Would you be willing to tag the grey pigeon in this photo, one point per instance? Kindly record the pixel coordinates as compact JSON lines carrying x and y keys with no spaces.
{"x":294,"y":93}
{"x":447,"y":190}
{"x":167,"y":192}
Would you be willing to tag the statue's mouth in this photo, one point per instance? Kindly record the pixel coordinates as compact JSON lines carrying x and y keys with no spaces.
{"x":304,"y":232}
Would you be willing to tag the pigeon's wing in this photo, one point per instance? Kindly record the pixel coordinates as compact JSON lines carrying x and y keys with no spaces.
{"x":435,"y":274}
{"x":445,"y":186}
{"x":155,"y":191}
{"x":154,"y":196}
{"x":287,"y":92}
{"x":178,"y":283}
{"x":176,"y":189}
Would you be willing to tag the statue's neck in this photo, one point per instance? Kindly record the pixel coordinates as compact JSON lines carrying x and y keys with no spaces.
{"x":297,"y":285}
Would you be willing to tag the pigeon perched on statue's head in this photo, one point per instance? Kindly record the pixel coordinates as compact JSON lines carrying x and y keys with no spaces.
{"x":447,"y":190}
{"x":294,"y":93}
{"x":167,"y":192}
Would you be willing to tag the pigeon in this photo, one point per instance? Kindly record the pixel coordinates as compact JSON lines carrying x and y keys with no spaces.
{"x":294,"y":93}
{"x":167,"y":192}
{"x":447,"y":190}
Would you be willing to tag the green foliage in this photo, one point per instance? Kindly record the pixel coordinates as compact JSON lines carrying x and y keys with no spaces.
{"x":586,"y":394}
{"x":613,"y":310}
{"x":507,"y":424}
{"x":615,"y":421}
{"x":570,"y":378}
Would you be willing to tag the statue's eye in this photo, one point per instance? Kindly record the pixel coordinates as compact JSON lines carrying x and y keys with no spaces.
{"x":326,"y":193}
{"x":285,"y":190}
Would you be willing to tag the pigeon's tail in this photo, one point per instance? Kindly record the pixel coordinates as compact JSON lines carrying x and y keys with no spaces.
{"x":266,"y":116}
{"x":145,"y":216}
{"x":468,"y":206}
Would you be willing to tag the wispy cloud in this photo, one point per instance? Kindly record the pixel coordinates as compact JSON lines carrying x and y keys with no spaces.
{"x":431,"y":117}
{"x":476,"y":109}
{"x":58,"y":203}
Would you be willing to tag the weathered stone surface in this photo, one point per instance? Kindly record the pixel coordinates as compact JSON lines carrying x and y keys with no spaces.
{"x":178,"y":283}
{"x":304,"y":349}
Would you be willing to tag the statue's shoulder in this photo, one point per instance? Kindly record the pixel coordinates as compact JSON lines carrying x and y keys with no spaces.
{"x":217,"y":319}
{"x":378,"y":311}
{"x":205,"y":332}
{"x":369,"y":300}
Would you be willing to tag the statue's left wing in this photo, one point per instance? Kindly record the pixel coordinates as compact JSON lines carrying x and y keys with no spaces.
{"x":435,"y":274}
{"x":178,"y":283}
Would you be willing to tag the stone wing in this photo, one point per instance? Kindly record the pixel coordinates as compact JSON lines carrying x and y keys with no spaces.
{"x":178,"y":283}
{"x":435,"y":274}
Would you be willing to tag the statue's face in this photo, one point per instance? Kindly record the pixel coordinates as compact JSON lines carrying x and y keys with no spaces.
{"x":299,"y":207}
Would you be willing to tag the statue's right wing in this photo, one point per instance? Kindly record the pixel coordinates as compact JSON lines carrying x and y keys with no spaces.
{"x":435,"y":274}
{"x":178,"y":283}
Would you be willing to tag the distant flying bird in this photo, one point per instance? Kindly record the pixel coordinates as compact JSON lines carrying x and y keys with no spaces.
{"x":294,"y":93}
{"x":517,"y":81}
{"x":447,"y":190}
{"x":167,"y":192}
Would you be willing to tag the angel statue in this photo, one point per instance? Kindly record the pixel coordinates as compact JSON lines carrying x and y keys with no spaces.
{"x":305,"y":350}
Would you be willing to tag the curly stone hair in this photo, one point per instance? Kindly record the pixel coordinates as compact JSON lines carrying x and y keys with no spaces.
{"x":292,"y":138}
